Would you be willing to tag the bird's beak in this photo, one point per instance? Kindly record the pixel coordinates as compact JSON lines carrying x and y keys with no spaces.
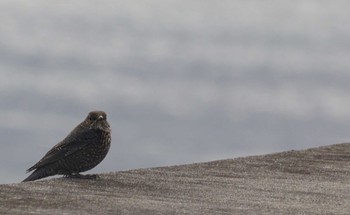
{"x":100,"y":117}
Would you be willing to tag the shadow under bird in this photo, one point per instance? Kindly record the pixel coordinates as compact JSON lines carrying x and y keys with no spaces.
{"x":83,"y":149}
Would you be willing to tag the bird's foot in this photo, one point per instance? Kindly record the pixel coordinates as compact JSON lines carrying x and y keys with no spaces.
{"x":80,"y":176}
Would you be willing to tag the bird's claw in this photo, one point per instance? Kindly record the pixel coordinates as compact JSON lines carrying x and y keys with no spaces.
{"x":80,"y":176}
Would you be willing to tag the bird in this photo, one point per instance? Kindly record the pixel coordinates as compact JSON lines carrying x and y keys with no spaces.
{"x":83,"y":149}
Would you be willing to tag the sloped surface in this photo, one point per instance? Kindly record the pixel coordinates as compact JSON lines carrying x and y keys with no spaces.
{"x":313,"y":181}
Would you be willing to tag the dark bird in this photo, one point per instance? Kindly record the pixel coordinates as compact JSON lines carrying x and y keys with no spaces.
{"x":85,"y":147}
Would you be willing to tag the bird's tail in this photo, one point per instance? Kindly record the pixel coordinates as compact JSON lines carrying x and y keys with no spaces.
{"x":38,"y":174}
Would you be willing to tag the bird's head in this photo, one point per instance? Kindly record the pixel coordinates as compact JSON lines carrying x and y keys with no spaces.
{"x":98,"y":120}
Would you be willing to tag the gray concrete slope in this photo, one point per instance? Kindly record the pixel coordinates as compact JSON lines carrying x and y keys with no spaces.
{"x":313,"y":181}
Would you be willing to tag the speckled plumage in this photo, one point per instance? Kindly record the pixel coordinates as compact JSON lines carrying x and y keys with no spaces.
{"x":83,"y":149}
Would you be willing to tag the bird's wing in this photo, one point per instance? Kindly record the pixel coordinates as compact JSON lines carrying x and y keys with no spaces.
{"x":75,"y":141}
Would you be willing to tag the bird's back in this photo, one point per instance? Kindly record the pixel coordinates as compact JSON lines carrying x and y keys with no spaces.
{"x":80,"y":151}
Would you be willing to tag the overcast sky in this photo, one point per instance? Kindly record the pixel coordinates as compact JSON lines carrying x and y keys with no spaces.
{"x":181,"y":81}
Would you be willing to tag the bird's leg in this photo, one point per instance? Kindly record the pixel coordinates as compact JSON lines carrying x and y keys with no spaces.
{"x":78,"y":175}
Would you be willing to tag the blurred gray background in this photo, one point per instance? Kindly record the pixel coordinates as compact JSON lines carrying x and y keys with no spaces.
{"x":181,"y":81}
